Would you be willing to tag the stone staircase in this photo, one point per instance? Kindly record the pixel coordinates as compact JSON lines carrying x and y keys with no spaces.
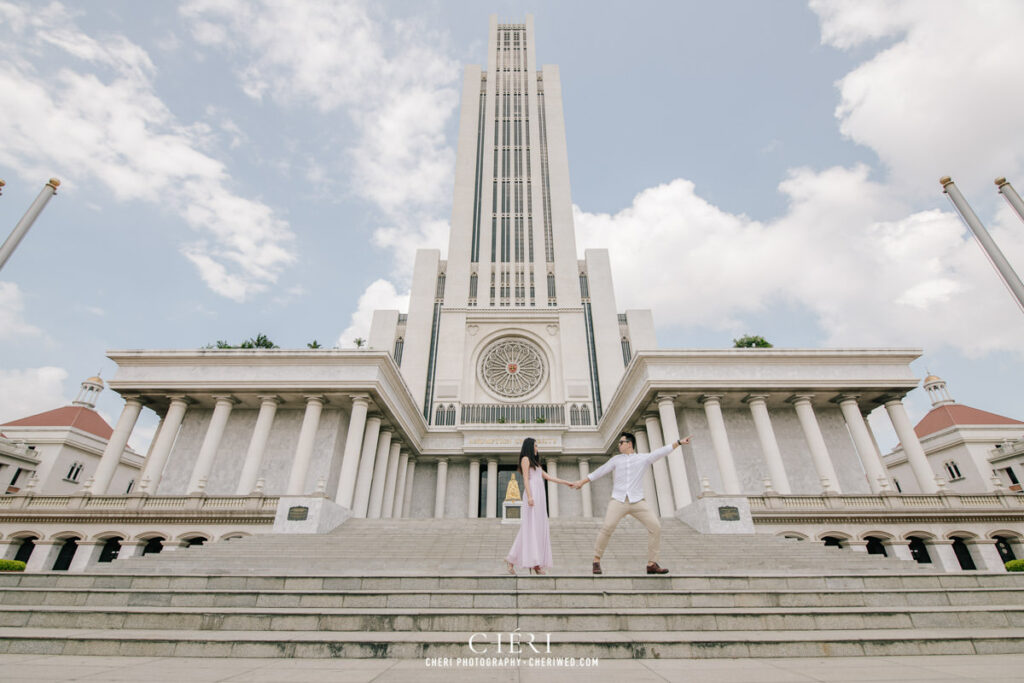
{"x":471,"y":547}
{"x":417,"y":589}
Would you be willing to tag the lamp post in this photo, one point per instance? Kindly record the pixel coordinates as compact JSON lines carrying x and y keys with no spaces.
{"x":27,"y":220}
{"x":985,"y":240}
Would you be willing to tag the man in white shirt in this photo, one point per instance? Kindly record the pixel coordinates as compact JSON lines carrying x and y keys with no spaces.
{"x":628,"y":497}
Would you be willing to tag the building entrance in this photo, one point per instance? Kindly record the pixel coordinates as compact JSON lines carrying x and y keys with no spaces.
{"x":505,"y":474}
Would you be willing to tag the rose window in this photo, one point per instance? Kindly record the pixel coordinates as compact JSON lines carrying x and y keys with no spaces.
{"x":512,"y":368}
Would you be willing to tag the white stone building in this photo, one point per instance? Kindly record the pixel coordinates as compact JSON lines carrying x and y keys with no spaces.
{"x":514,"y":335}
{"x":969,"y":450}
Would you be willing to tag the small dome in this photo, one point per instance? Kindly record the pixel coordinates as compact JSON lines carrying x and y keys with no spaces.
{"x":96,"y":379}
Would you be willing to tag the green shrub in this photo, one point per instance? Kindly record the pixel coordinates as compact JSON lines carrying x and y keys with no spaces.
{"x":1015,"y":566}
{"x":11,"y":566}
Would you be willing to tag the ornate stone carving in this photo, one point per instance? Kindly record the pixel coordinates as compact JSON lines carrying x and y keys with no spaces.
{"x":513,"y":368}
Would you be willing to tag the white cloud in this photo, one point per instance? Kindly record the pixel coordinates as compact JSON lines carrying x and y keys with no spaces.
{"x":393,"y":79}
{"x":31,"y":391}
{"x":846,"y":251}
{"x":380,"y":295}
{"x":941,"y":99}
{"x":12,"y":322}
{"x":97,"y":116}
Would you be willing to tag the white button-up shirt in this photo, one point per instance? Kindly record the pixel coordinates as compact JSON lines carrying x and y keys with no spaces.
{"x":628,"y":485}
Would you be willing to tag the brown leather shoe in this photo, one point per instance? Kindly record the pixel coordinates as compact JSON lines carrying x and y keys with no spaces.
{"x":597,"y":568}
{"x":654,"y":568}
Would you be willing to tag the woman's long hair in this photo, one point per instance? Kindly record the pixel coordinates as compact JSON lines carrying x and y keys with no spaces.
{"x":528,"y":451}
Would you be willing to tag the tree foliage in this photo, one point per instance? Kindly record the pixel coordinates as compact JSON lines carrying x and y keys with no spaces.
{"x":260,"y":341}
{"x":751,"y":341}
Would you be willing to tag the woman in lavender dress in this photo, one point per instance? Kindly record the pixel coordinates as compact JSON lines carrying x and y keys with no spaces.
{"x":532,"y":547}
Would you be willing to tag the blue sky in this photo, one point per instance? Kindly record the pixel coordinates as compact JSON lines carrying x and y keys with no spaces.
{"x":231,"y":168}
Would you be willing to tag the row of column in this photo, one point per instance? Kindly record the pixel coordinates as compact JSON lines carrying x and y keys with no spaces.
{"x":375,"y":473}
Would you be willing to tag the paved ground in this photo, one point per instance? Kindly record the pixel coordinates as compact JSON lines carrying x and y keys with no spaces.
{"x":994,"y":668}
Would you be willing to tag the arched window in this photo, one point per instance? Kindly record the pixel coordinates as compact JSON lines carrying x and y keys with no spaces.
{"x":574,"y":415}
{"x":439,"y":415}
{"x":832,"y":541}
{"x":195,"y":540}
{"x":451,"y":416}
{"x":28,"y":544}
{"x":585,"y":414}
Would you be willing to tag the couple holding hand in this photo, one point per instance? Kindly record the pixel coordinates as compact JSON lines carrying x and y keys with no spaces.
{"x":532,"y":547}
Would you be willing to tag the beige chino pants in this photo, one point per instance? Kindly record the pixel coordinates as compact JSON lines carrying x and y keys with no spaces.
{"x":641,"y":511}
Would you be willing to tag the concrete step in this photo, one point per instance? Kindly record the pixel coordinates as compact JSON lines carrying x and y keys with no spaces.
{"x":535,"y":620}
{"x":604,"y":645}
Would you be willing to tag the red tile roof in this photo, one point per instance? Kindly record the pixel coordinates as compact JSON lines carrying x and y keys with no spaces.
{"x":69,"y":416}
{"x":957,"y":414}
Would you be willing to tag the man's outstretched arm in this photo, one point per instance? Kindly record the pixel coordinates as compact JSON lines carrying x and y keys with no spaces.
{"x":596,"y":474}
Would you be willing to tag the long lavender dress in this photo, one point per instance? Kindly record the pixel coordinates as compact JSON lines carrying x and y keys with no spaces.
{"x":532,"y":547}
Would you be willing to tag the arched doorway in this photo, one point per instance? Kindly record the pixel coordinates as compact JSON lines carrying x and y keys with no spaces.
{"x":963,"y":554}
{"x":832,"y":542}
{"x":28,"y":544}
{"x":876,"y":546}
{"x":66,"y":554}
{"x":153,"y":546}
{"x":1005,"y":549}
{"x":111,"y":549}
{"x":919,"y":550}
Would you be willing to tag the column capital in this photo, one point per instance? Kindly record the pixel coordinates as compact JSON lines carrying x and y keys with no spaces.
{"x":270,"y":398}
{"x":135,"y":398}
{"x":709,"y":398}
{"x":890,"y":399}
{"x":583,"y":460}
{"x":662,"y":397}
{"x":651,"y":416}
{"x":360,"y":398}
{"x":387,"y":429}
{"x":641,"y":428}
{"x":180,"y":398}
{"x":224,"y":398}
{"x":490,"y":460}
{"x":443,"y":460}
{"x":374,"y":416}
{"x":551,"y":458}
{"x":800,"y":398}
{"x":315,"y":398}
{"x":755,"y":398}
{"x":840,"y":399}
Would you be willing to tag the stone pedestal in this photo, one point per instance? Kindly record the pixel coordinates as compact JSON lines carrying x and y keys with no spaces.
{"x":718,"y":515}
{"x":512,"y":512}
{"x":308,"y":515}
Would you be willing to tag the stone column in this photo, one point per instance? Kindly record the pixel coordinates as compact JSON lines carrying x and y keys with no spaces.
{"x":211,"y":442}
{"x":943,"y":552}
{"x":720,"y":443}
{"x":492,"y":487}
{"x":44,"y":555}
{"x":676,"y":466}
{"x":257,"y":445}
{"x":588,"y":505}
{"x":856,"y":546}
{"x":911,"y":446}
{"x":663,"y":486}
{"x":552,"y":488}
{"x":769,"y":444}
{"x":650,"y":488}
{"x":862,"y":441}
{"x":382,"y":507}
{"x":410,"y":476}
{"x":116,"y":445}
{"x":353,"y":446}
{"x":154,"y":467}
{"x":899,"y":549}
{"x":815,"y":441}
{"x":130,"y":549}
{"x":86,"y":555}
{"x":304,"y":448}
{"x":399,"y":496}
{"x":474,"y":489}
{"x":442,"y":485}
{"x":368,"y":454}
{"x":985,"y":554}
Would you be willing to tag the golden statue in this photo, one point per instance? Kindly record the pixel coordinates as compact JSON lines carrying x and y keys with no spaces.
{"x":512,"y":492}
